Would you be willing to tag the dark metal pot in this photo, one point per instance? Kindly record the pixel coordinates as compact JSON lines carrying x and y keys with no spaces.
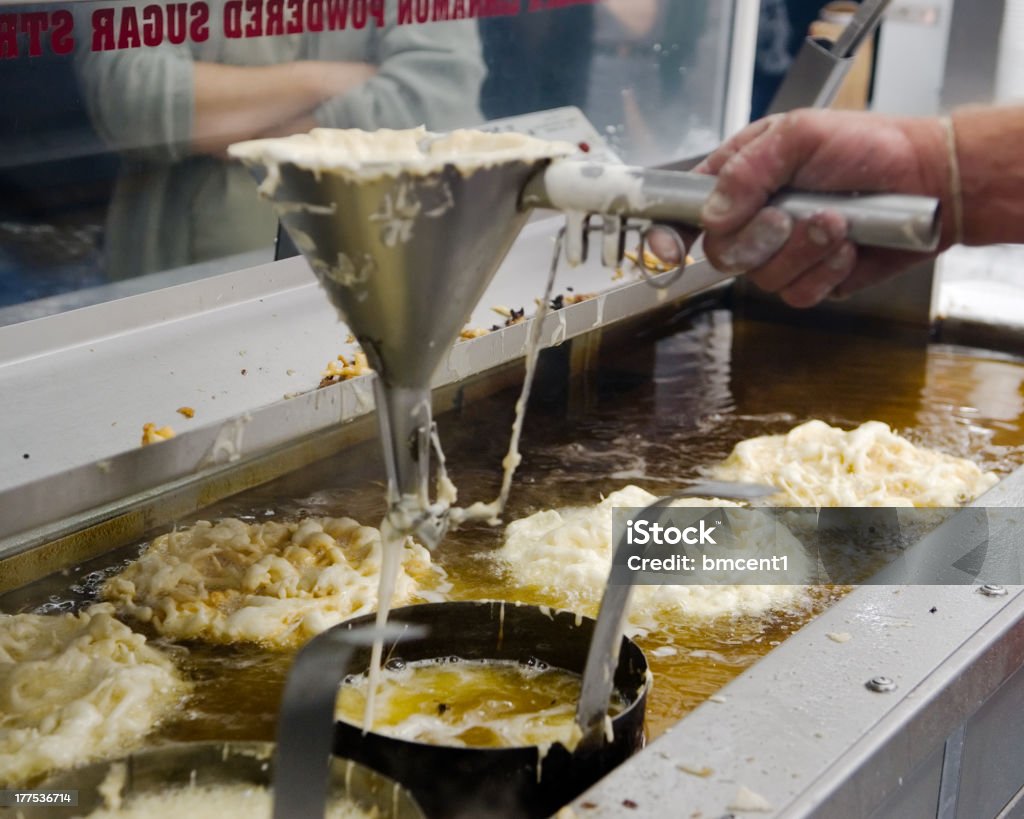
{"x":498,"y":782}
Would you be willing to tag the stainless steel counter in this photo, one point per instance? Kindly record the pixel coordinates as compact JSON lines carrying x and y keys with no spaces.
{"x":804,"y":729}
{"x":245,"y":350}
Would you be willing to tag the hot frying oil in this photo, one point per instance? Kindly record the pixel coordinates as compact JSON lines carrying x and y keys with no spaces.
{"x":489,"y":704}
{"x":654,"y":414}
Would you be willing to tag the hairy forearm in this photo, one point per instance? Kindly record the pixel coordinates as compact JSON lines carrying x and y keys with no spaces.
{"x":988,"y":144}
{"x":241,"y":102}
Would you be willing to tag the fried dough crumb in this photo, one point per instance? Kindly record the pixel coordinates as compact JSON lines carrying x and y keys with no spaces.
{"x":341,"y":369}
{"x":151,"y":434}
{"x":510,"y":314}
{"x":472,"y":332}
{"x":702,"y":771}
{"x":651,"y":262}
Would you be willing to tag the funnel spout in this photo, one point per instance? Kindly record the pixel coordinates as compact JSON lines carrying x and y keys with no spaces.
{"x":405,"y":414}
{"x":405,"y":421}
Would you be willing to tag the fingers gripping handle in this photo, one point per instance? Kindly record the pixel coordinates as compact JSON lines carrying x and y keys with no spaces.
{"x":895,"y":221}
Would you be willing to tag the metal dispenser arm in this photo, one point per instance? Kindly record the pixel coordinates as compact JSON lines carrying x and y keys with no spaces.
{"x":865,"y":21}
{"x":897,"y":221}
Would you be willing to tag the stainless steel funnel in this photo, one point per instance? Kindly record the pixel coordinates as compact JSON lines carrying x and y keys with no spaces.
{"x":405,"y":257}
{"x":405,"y":253}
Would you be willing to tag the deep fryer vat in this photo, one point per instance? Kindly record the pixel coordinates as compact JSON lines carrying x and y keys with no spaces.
{"x":648,"y":411}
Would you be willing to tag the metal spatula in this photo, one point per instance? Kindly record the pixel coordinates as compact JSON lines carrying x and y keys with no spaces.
{"x":603,"y":656}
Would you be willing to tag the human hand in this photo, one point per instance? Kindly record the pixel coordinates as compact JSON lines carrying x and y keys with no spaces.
{"x":831,"y":151}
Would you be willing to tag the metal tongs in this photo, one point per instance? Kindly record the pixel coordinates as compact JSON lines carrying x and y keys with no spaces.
{"x":603,"y":656}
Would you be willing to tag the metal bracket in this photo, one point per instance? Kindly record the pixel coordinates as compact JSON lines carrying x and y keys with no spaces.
{"x":821,"y":65}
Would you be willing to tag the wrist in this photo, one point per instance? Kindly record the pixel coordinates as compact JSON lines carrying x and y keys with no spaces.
{"x":935,"y":144}
{"x":955,"y":204}
{"x":991,"y":174}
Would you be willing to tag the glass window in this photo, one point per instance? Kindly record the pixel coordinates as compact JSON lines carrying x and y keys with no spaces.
{"x":113,"y":173}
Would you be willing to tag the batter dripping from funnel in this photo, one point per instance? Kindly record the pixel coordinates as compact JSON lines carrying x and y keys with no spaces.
{"x":405,"y":276}
{"x":447,"y":493}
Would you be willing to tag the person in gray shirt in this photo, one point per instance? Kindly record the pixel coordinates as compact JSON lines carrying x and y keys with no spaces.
{"x":172,"y":110}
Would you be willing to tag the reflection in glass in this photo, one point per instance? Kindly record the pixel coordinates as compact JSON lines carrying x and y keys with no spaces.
{"x":172,"y":110}
{"x":641,"y":51}
{"x":112,"y":144}
{"x":54,"y":178}
{"x":648,"y":73}
{"x":536,"y":61}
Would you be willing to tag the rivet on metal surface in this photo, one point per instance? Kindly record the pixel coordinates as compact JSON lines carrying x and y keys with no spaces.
{"x":880,"y":685}
{"x":992,"y":590}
